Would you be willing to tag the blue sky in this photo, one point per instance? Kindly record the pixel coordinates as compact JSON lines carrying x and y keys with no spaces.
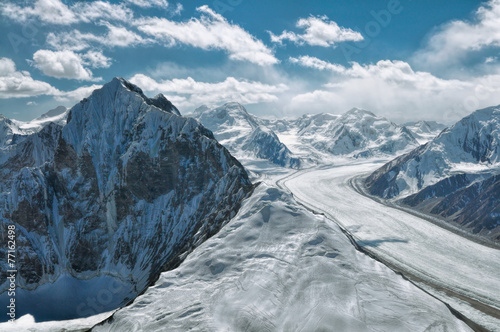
{"x":405,"y":60}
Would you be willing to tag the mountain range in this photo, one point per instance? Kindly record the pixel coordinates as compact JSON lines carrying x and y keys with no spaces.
{"x":120,"y":201}
{"x":310,"y":139}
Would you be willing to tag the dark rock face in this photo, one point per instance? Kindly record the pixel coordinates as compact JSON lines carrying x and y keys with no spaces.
{"x":470,"y":204}
{"x":383,"y":182}
{"x":163,"y":103}
{"x":266,"y":145}
{"x":124,"y":188}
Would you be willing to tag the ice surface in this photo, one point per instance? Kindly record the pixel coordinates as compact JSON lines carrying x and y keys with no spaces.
{"x":278,"y":267}
{"x":425,"y":250}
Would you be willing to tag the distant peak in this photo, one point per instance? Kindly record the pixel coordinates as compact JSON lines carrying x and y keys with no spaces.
{"x":358,"y":112}
{"x":53,"y":112}
{"x":233,"y":104}
{"x":325,"y":116}
{"x":201,"y":109}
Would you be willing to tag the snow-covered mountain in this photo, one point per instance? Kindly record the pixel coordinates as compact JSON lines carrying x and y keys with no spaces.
{"x":245,"y":135}
{"x":307,"y":140}
{"x":424,"y":131}
{"x":356,"y":133}
{"x":12,"y":131}
{"x":455,"y":175}
{"x":8,"y":131}
{"x":278,"y":267}
{"x":309,"y":124}
{"x":109,"y":200}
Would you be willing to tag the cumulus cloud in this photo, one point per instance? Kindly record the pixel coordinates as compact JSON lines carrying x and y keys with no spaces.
{"x":211,"y":31}
{"x":70,"y":65}
{"x":18,"y":84}
{"x":453,"y":42}
{"x":190,"y":93}
{"x":95,"y":59}
{"x":393,"y":89}
{"x":56,"y":12}
{"x":319,"y":31}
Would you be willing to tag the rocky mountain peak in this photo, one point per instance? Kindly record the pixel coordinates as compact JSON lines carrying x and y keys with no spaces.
{"x":120,"y":192}
{"x":358,"y":113}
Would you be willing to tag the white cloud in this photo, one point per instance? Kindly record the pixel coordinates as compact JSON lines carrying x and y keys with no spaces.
{"x":190,"y":93}
{"x":49,"y":11}
{"x":178,"y":9}
{"x":319,"y":31}
{"x":490,"y":59}
{"x":76,"y":95}
{"x":149,"y":3}
{"x":18,"y":84}
{"x":393,"y":89}
{"x":63,"y":64}
{"x":92,"y":11}
{"x":121,"y":37}
{"x":394,"y":71}
{"x":96,"y":59}
{"x":70,"y":41}
{"x":78,"y":41}
{"x":211,"y":31}
{"x":56,"y":12}
{"x":312,"y":62}
{"x":453,"y":42}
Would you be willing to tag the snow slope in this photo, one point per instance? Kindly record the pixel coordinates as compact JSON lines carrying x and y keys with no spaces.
{"x":57,"y":115}
{"x":8,"y":131}
{"x":13,"y":131}
{"x":278,"y":267}
{"x":424,"y":131}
